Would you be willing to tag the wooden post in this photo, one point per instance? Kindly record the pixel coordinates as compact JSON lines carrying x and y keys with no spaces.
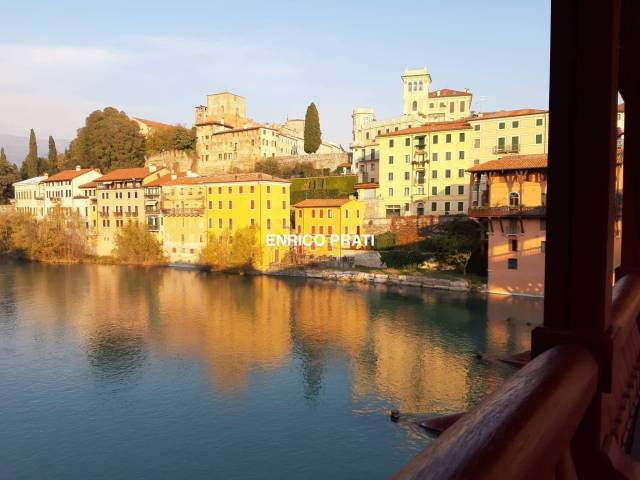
{"x":630,"y":89}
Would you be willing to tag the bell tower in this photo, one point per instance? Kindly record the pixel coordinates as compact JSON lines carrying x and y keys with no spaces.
{"x":415,"y":98}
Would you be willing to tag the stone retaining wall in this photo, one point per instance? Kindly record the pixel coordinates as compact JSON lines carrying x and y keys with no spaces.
{"x":377,"y":278}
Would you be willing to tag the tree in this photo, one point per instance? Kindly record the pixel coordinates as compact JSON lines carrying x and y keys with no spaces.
{"x":312,"y":133}
{"x":9,"y":174}
{"x":453,"y":243}
{"x":31,"y":164}
{"x":61,"y":237}
{"x":184,"y":139}
{"x":269,"y":166}
{"x":52,"y":157}
{"x":239,"y":251}
{"x":109,"y":140}
{"x":135,"y":245}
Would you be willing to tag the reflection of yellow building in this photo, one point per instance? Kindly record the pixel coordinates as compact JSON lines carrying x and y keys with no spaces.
{"x":329,"y":221}
{"x":237,"y":201}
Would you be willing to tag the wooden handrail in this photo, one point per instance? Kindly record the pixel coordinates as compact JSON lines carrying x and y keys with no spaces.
{"x":523,"y":429}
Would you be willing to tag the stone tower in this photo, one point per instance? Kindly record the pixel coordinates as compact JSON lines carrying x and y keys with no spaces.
{"x":415,"y":98}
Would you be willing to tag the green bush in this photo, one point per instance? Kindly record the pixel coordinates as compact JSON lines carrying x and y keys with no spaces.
{"x":401,"y":258}
{"x":135,"y":245}
{"x":384,"y":241}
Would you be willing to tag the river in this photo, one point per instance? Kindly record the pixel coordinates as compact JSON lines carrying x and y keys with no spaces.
{"x":116,"y":372}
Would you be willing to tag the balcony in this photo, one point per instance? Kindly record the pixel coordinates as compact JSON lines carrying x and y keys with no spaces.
{"x":117,"y":213}
{"x":183,"y":212}
{"x":131,"y":214}
{"x":153,"y":228}
{"x":496,"y":212}
{"x":420,"y":147}
{"x":501,"y":149}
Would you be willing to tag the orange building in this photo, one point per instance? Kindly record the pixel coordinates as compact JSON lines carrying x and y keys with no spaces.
{"x":508,"y":197}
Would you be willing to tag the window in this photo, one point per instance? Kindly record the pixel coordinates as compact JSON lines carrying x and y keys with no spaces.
{"x":476,"y":143}
{"x":268,"y":204}
{"x":321,"y":213}
{"x":448,"y":138}
{"x":543,"y":224}
{"x":538,"y":138}
{"x":476,"y":127}
{"x":346,"y":214}
{"x":447,"y":173}
{"x":434,"y":190}
{"x":512,"y":263}
{"x":219,"y":204}
{"x":538,"y":122}
{"x":461,"y":155}
{"x":452,"y":107}
{"x":414,"y":106}
{"x":447,"y":156}
{"x":406,"y":191}
{"x":435,"y":156}
{"x":434,"y":206}
{"x":460,"y":189}
{"x":253,"y":205}
{"x":329,"y":214}
{"x":219,"y":223}
{"x":501,"y":126}
{"x":284,"y":204}
{"x":407,"y":142}
{"x":461,"y":136}
{"x":407,"y":175}
{"x":461,"y":206}
{"x":268,"y":224}
{"x":313,"y":213}
{"x":390,"y":176}
{"x":515,"y":141}
{"x":391,"y":192}
{"x":435,"y":140}
{"x":391,"y":143}
{"x":268,"y":189}
{"x":230,"y":204}
{"x":251,"y":189}
{"x":447,"y":190}
{"x":231,"y":224}
{"x":460,"y":172}
{"x":407,"y":159}
{"x":391,"y":160}
{"x":513,"y":245}
{"x":514,"y":199}
{"x":300,"y":213}
{"x":434,"y":174}
{"x":447,"y":207}
{"x":515,"y":124}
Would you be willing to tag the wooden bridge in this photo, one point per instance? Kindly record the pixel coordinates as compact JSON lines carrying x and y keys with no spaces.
{"x":570,"y":412}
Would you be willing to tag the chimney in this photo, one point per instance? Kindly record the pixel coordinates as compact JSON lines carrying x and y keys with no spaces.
{"x":152,"y":168}
{"x":77,"y":168}
{"x":46,"y":174}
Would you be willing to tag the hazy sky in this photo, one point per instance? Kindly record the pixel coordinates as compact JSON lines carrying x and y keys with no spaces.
{"x":60,"y":60}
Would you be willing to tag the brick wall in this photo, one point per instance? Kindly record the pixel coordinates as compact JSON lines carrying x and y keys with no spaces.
{"x":407,"y":229}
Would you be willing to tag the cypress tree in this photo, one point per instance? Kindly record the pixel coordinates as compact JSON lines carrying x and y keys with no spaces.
{"x":53,"y":156}
{"x":312,"y":133}
{"x":30,"y":165}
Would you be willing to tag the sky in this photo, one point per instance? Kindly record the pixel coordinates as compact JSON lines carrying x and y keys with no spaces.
{"x":61,"y":60}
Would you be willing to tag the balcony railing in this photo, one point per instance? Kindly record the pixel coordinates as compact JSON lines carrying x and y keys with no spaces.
{"x":420,"y":147}
{"x":514,"y":148}
{"x":117,"y":213}
{"x":153,"y":228}
{"x":486,"y":211}
{"x":133,"y":213}
{"x":183,"y":212}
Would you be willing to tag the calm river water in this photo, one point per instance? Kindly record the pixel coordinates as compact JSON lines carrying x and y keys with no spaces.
{"x":112,"y":372}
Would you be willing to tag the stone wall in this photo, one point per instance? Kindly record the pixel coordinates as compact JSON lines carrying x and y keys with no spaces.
{"x":407,"y":229}
{"x":319,"y":160}
{"x":176,"y":160}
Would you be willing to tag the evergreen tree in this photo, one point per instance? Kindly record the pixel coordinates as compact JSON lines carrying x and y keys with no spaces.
{"x":53,"y":156}
{"x":8,"y":176}
{"x":312,"y":133}
{"x":30,"y":165}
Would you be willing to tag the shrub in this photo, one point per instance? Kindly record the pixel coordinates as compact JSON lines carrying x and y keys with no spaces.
{"x":61,"y":236}
{"x":384,"y":241}
{"x":135,"y":245}
{"x":401,"y":258}
{"x":238,"y":251}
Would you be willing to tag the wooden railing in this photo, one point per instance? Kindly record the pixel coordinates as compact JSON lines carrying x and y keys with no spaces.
{"x":522,"y":211}
{"x":523,"y":429}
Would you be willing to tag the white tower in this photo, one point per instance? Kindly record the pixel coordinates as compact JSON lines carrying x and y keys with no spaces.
{"x":415,"y":98}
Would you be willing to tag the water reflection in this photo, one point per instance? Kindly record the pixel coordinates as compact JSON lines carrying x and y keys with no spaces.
{"x":413,"y":349}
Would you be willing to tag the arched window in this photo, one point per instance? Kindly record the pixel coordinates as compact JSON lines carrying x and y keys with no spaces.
{"x":514,"y":199}
{"x":420,"y":86}
{"x":414,"y":106}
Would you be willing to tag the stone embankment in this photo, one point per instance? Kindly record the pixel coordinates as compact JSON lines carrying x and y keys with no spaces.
{"x":378,"y":278}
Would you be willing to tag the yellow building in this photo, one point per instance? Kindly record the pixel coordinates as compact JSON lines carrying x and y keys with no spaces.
{"x":120,"y":200}
{"x":422,"y":170}
{"x":182,"y":226}
{"x":329,"y":224}
{"x":237,"y":201}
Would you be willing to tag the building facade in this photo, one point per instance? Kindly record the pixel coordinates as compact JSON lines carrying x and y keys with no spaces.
{"x":29,"y":196}
{"x":64,"y":189}
{"x":321,"y":220}
{"x":120,"y":199}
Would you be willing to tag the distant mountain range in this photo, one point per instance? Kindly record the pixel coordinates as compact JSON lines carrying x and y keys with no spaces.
{"x":17,"y":147}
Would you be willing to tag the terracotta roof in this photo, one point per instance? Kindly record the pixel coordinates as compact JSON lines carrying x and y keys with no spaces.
{"x":153,"y":123}
{"x":126,"y":174}
{"x":242,"y":177}
{"x":506,"y":113}
{"x":512,"y":162}
{"x":447,"y":92}
{"x":345,"y":165}
{"x":92,"y":184}
{"x":431,"y":127}
{"x":181,"y":179}
{"x":322,"y":202}
{"x":67,"y":175}
{"x":366,"y":186}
